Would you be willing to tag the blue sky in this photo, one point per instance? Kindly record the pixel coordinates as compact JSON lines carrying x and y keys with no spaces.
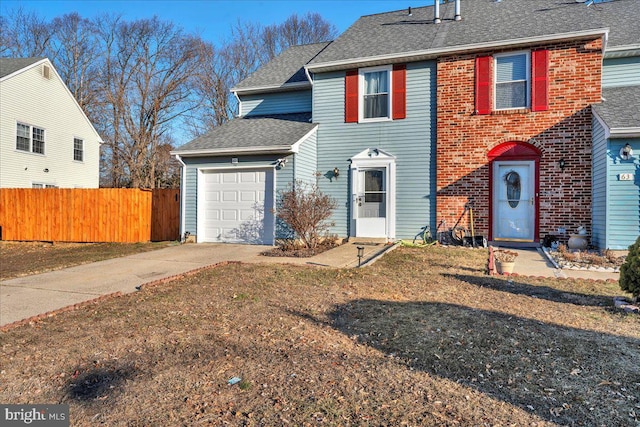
{"x":214,"y":18}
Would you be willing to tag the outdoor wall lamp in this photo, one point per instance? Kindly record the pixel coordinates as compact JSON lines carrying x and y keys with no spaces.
{"x":626,"y":152}
{"x":562,"y":163}
{"x":336,"y":172}
{"x":45,"y":170}
{"x":360,"y":255}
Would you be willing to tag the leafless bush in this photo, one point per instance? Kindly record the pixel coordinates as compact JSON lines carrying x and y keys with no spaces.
{"x":306,"y":210}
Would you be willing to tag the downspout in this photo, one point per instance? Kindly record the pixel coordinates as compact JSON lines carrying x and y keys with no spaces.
{"x":239,"y":103}
{"x":306,"y":72}
{"x":183,"y":174}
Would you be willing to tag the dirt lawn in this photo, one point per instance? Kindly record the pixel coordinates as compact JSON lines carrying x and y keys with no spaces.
{"x":25,"y":258}
{"x":420,"y":338}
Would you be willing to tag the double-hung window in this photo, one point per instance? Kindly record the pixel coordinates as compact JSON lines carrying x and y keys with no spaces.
{"x":376,"y":93}
{"x":512,"y":81}
{"x":78,"y":149}
{"x":29,"y":138}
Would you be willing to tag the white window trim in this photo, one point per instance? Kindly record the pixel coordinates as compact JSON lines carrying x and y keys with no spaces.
{"x":74,"y":149}
{"x":30,"y":151}
{"x":527,"y":85}
{"x":361,"y":73}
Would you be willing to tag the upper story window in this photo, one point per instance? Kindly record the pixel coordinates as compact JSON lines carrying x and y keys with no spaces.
{"x":376,"y":96}
{"x":78,"y":149}
{"x":512,"y":81}
{"x":29,"y":138}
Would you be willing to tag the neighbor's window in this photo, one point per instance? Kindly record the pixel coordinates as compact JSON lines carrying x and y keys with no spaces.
{"x":78,"y":149}
{"x":512,"y":81}
{"x":29,"y":138}
{"x":376,"y":99}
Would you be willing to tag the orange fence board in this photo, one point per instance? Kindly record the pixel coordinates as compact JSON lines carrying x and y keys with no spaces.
{"x":89,"y":215}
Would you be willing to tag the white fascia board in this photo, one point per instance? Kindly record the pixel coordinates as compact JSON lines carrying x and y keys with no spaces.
{"x":46,"y":61}
{"x":296,"y":147}
{"x":432,"y":53}
{"x":622,"y":51}
{"x":271,"y":88}
{"x":28,"y":67}
{"x":272,"y":149}
{"x":607,"y":130}
{"x":633,"y":132}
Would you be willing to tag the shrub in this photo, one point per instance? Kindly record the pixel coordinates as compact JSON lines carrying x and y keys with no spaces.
{"x":630,"y":271}
{"x":305,"y":210}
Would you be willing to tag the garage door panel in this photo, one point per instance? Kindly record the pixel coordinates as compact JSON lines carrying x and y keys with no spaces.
{"x":248,"y":196}
{"x":236,"y":208}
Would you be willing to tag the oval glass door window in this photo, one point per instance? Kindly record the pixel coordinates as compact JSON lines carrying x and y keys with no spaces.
{"x":512,"y":179}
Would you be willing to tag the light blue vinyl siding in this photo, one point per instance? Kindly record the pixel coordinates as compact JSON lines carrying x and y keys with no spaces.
{"x":621,"y":72}
{"x":276,"y":103}
{"x":306,"y":160}
{"x":411,"y":141}
{"x":282,"y":178}
{"x":599,"y":185}
{"x":623,"y":216}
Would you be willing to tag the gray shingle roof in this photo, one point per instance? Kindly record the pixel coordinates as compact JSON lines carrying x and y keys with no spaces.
{"x":483,"y":21}
{"x":286,"y":68}
{"x":257,"y":133}
{"x":11,"y":65}
{"x":620,"y":108}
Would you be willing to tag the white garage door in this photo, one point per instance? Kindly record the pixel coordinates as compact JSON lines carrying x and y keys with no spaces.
{"x":237,"y":207}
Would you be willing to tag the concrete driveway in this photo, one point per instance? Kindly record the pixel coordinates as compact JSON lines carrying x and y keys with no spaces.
{"x":29,"y":296}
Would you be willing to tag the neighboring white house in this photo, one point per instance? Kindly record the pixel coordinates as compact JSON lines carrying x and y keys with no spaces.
{"x":46,"y":140}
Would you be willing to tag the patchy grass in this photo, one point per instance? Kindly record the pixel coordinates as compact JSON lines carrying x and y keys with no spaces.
{"x":25,"y":258}
{"x":422,"y":337}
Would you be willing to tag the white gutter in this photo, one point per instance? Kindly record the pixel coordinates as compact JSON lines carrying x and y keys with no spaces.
{"x":271,"y":88}
{"x":430,"y":53}
{"x":633,"y":132}
{"x":183,"y":175}
{"x":235,"y":150}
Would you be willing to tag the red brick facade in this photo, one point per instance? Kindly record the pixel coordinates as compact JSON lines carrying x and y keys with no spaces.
{"x":464,"y":138}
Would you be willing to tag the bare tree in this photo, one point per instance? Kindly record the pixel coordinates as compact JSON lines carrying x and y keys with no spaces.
{"x":147,"y":78}
{"x":76,"y":53}
{"x":311,"y":28}
{"x":24,"y":35}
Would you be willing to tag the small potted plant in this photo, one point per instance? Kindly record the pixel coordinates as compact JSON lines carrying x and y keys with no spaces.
{"x":504,"y":260}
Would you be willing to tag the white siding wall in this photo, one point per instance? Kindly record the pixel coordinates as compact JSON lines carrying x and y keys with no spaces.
{"x":31,"y":99}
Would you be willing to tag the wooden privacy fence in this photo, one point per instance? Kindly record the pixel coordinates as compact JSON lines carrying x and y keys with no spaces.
{"x":89,"y":215}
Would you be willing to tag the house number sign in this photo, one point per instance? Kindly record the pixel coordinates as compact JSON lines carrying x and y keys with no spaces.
{"x":625,"y":177}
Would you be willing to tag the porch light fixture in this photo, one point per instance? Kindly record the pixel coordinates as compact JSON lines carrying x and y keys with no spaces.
{"x":360,"y":255}
{"x":626,"y":152}
{"x":562,"y":163}
{"x":336,"y":172}
{"x":45,"y":170}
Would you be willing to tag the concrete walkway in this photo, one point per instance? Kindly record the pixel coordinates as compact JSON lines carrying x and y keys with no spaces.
{"x":532,"y":262}
{"x":29,"y":296}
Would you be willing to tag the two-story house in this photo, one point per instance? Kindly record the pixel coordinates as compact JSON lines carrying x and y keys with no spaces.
{"x":46,"y":140}
{"x":415,"y":113}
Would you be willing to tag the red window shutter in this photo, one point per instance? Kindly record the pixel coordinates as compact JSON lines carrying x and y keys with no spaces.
{"x":483,"y":84}
{"x":399,"y":79}
{"x":351,"y":97}
{"x":540,"y":80}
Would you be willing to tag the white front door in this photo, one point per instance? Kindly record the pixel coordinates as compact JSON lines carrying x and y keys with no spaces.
{"x":371,"y":202}
{"x":514,"y":201}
